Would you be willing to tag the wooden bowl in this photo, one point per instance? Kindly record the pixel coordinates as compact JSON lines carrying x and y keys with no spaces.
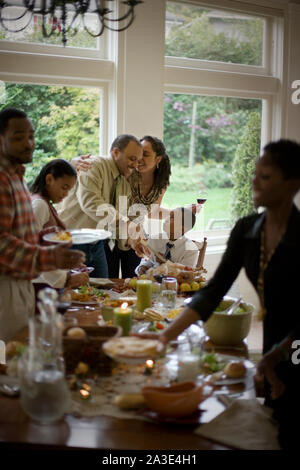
{"x":181,"y":399}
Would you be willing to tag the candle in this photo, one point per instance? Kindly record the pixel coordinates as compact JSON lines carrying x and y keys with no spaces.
{"x":188,"y":367}
{"x":149,"y":367}
{"x":144,"y":294}
{"x":123,"y":318}
{"x":84,"y":394}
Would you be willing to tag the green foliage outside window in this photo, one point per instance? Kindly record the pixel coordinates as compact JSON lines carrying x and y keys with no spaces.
{"x":66,"y":120}
{"x":243,"y":168}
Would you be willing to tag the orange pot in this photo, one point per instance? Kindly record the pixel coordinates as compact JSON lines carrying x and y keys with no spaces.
{"x":181,"y":399}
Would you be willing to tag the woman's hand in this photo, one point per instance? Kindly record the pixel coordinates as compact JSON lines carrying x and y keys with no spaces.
{"x":266,"y":369}
{"x":160,"y":336}
{"x":77,"y":279}
{"x":82,"y":162}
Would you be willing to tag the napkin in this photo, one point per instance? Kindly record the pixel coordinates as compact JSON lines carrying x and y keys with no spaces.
{"x":245,"y":424}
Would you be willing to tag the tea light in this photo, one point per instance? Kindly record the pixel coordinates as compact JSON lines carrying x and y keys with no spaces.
{"x":188,"y":367}
{"x":149,"y":367}
{"x":123,"y":318}
{"x":144,"y":294}
{"x":84,"y":394}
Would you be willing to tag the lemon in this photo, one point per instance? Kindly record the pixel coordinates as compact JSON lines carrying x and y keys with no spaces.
{"x":195,"y":285}
{"x":185,"y":287}
{"x":132,"y":282}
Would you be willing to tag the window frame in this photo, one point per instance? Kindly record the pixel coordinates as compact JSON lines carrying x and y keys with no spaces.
{"x":213,"y":78}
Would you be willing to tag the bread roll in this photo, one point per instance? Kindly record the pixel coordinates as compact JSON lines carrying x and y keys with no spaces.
{"x":235,"y":369}
{"x":129,"y":401}
{"x":76,"y":332}
{"x":11,"y":349}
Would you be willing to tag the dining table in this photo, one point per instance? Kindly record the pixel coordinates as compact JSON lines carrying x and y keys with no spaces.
{"x":102,"y":433}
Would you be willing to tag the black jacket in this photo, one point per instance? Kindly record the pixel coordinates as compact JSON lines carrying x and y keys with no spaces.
{"x":282,"y":279}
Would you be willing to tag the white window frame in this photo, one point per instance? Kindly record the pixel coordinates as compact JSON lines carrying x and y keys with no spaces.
{"x":202,"y":77}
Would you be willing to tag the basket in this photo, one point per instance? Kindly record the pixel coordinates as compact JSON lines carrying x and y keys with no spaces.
{"x":89,"y":350}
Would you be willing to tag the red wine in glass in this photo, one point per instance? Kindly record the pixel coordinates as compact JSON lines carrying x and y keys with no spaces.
{"x":201,"y":200}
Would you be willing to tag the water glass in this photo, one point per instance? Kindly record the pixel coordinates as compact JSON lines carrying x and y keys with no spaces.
{"x":169,"y":292}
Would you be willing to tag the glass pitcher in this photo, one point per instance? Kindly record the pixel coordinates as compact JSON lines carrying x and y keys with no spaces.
{"x":45,"y":396}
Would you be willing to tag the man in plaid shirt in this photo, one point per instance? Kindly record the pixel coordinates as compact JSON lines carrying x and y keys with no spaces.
{"x":21,"y":256}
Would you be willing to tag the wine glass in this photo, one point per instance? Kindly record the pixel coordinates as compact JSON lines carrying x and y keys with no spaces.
{"x":64,"y":301}
{"x":202,"y":198}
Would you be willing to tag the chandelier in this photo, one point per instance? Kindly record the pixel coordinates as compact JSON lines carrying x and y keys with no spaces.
{"x":61,"y":16}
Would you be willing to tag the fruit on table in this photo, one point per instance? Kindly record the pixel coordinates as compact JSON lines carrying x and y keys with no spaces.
{"x":185,"y":287}
{"x":195,"y":285}
{"x":132,"y":282}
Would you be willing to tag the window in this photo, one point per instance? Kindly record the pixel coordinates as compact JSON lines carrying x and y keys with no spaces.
{"x":202,"y":134}
{"x":66,"y":120}
{"x":213,"y":35}
{"x":31,"y":38}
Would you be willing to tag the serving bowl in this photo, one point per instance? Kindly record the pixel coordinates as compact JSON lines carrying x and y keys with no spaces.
{"x":229,"y":330}
{"x":181,"y":399}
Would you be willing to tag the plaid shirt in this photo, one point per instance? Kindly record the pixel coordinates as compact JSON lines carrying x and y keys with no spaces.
{"x":20,"y":256}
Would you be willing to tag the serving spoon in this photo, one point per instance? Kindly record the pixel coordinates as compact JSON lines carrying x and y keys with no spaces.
{"x":233,"y":306}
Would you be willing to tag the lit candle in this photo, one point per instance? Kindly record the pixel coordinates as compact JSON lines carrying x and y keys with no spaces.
{"x":123,"y":318}
{"x":144,"y":294}
{"x":149,"y":367}
{"x":84,"y":394}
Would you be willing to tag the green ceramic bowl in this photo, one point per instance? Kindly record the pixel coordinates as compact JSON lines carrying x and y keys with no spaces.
{"x":229,"y":330}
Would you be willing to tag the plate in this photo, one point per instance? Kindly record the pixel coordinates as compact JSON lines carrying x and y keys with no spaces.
{"x":80,"y":236}
{"x":100,"y":281}
{"x":82,"y":270}
{"x":50,"y":237}
{"x":114,"y":348}
{"x":189,"y":420}
{"x":250,"y":372}
{"x":91,"y":302}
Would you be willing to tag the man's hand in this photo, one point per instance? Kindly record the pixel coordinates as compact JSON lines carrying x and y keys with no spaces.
{"x":67,"y":259}
{"x":82,"y":162}
{"x":141,"y":250}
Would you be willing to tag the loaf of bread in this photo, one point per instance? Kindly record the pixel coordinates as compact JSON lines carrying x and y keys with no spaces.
{"x":129,"y":401}
{"x":76,"y":332}
{"x":235,"y":369}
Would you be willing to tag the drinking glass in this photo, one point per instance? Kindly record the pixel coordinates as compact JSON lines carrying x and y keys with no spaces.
{"x":45,"y":396}
{"x":169,"y":292}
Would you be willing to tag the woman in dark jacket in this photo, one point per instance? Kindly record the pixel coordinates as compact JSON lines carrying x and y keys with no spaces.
{"x":267,"y":245}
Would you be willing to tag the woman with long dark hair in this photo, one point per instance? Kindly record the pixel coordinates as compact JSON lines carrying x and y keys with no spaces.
{"x":267,"y":245}
{"x":51,"y":186}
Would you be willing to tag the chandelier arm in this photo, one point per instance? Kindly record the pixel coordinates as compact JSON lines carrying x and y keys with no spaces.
{"x":15,"y":19}
{"x":90,"y":32}
{"x":124,"y":27}
{"x":47,"y":34}
{"x":124,"y":17}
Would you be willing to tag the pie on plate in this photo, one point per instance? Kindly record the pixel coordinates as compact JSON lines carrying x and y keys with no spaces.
{"x":131,"y":348}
